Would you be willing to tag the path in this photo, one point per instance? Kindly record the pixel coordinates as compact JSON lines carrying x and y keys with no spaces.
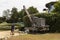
{"x":6,"y":34}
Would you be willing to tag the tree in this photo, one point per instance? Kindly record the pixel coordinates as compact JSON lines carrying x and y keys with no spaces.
{"x":50,"y":6}
{"x":2,"y":19}
{"x":14,"y":16}
{"x":6,"y":14}
{"x":32,"y":10}
{"x":22,"y":13}
{"x":57,"y":7}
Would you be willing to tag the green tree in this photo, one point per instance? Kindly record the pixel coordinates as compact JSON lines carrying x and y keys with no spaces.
{"x":50,"y":6}
{"x":2,"y":19}
{"x":57,"y":7}
{"x":14,"y":16}
{"x":32,"y":10}
{"x":6,"y":14}
{"x":22,"y":13}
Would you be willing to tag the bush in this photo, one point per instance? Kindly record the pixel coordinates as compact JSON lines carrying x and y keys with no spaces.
{"x":5,"y":27}
{"x":26,"y":21}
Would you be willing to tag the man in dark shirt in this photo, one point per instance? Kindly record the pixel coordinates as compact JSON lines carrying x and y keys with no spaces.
{"x":12,"y":29}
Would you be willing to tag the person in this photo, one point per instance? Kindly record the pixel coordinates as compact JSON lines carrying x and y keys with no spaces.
{"x":12,"y":29}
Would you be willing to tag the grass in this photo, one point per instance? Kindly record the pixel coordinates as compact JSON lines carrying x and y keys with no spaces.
{"x":7,"y":26}
{"x":55,"y":36}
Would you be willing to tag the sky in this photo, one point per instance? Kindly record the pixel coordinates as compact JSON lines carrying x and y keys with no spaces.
{"x":9,"y":4}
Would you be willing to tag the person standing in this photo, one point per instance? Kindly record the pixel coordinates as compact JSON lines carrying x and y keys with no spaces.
{"x":12,"y":29}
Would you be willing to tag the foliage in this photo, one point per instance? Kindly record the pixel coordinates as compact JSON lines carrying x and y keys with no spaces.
{"x":57,"y":7}
{"x":26,"y":21}
{"x":48,"y":5}
{"x":22,"y":13}
{"x":2,"y":19}
{"x":32,"y":10}
{"x":53,"y":20}
{"x":14,"y":16}
{"x":7,"y":26}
